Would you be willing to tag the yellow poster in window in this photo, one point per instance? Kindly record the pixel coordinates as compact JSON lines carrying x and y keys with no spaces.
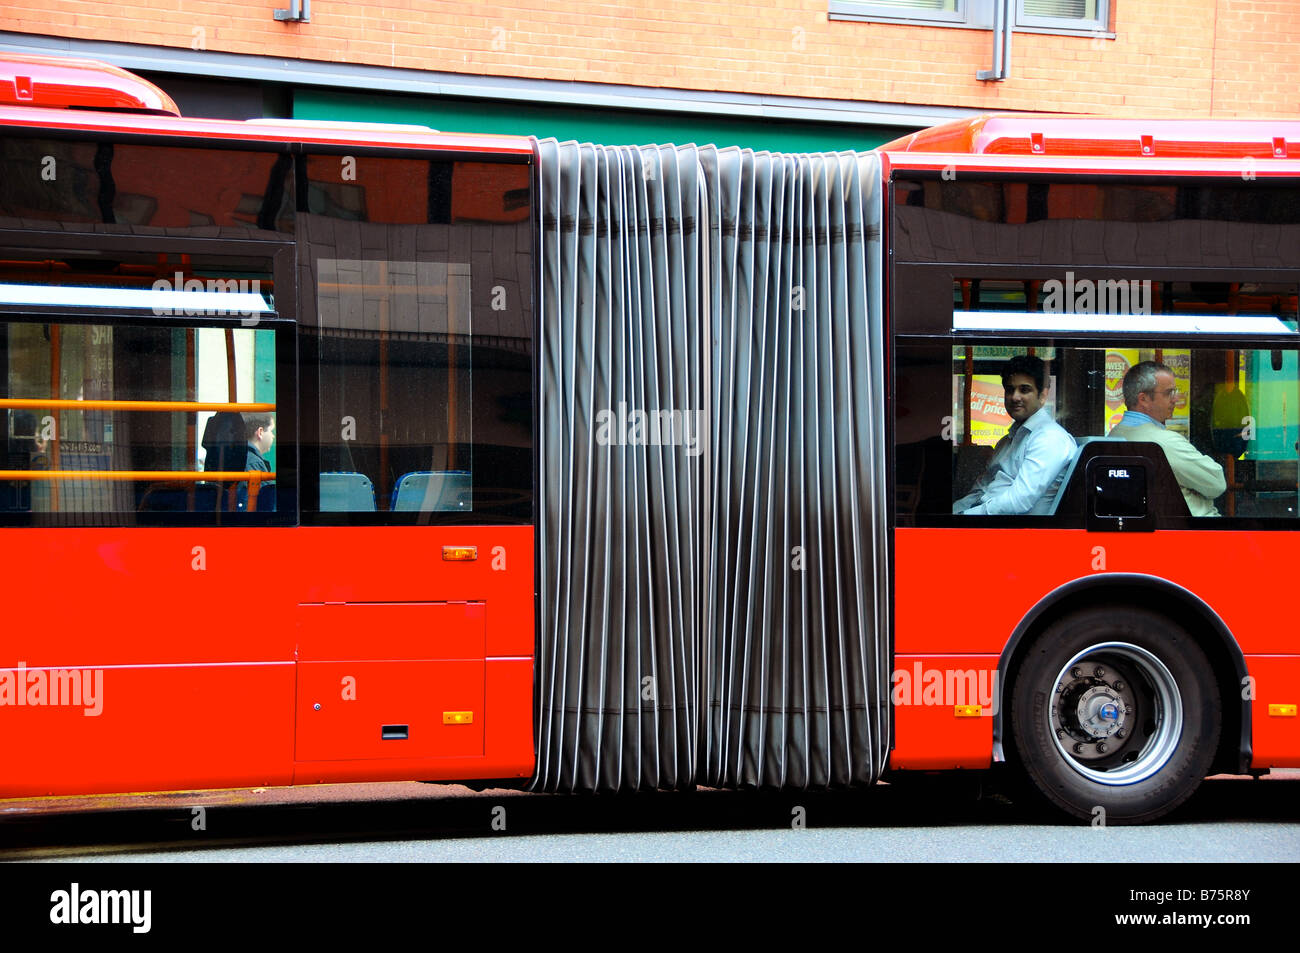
{"x":1118,"y":362}
{"x":1180,"y":361}
{"x":989,"y":420}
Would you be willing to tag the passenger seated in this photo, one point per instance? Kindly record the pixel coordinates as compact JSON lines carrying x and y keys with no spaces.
{"x":1028,"y":463}
{"x":25,"y":451}
{"x":1150,"y":394}
{"x":261,"y":435}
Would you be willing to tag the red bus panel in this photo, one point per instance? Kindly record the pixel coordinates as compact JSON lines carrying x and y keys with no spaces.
{"x":211,"y":656}
{"x":960,"y":594}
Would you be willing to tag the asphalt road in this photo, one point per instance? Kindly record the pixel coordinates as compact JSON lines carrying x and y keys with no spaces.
{"x":1230,"y":819}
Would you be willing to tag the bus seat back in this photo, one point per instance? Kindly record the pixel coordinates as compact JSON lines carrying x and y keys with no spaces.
{"x":432,"y":491}
{"x":1165,"y":506}
{"x":345,"y":493}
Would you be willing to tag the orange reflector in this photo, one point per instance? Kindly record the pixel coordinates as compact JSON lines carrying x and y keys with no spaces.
{"x":457,"y":717}
{"x":966,"y":711}
{"x":1282,"y":711}
{"x":460,"y":552}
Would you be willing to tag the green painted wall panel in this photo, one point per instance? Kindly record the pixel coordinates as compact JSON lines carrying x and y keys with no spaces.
{"x":609,"y":126}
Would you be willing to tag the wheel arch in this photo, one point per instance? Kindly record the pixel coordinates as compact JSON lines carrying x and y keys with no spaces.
{"x":1170,"y":599}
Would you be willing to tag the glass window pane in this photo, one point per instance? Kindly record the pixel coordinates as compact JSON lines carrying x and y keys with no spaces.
{"x":938,"y":12}
{"x":1069,"y":9}
{"x":396,"y":379}
{"x":1225,"y":420}
{"x":1053,"y":8}
{"x":917,"y":4}
{"x":105,"y":423}
{"x":418,"y":327}
{"x":139,"y":189}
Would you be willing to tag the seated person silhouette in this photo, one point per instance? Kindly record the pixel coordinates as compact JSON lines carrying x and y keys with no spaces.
{"x":261,"y":436}
{"x":225,"y":443}
{"x":26,"y":450}
{"x":1029,"y":462}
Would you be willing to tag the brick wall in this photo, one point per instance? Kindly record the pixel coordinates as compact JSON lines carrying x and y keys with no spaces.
{"x":1170,"y":57}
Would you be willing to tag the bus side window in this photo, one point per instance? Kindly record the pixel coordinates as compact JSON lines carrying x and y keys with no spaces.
{"x":1252,"y":415}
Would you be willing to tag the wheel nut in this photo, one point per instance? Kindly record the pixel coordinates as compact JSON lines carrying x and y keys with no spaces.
{"x":1119,"y":686}
{"x":1101,"y":747}
{"x":1119,"y":733}
{"x":1099,"y":671}
{"x":1078,"y":748}
{"x":1076,"y":672}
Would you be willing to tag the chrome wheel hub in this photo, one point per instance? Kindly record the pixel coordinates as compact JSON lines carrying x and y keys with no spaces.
{"x":1116,"y":713}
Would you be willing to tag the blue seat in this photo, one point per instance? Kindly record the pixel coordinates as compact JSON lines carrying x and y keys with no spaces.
{"x":346,"y":493}
{"x":266,"y":498}
{"x":431,"y":491}
{"x":179,"y":498}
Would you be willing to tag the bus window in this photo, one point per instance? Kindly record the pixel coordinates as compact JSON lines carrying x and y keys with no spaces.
{"x":1226,"y":420}
{"x":105,"y":423}
{"x":140,"y":189}
{"x":1253,"y":402}
{"x":417,"y":332}
{"x":396,"y":367}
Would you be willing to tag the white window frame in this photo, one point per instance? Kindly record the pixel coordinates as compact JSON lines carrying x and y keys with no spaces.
{"x":881,"y":13}
{"x":1097,"y":24}
{"x":973,"y":15}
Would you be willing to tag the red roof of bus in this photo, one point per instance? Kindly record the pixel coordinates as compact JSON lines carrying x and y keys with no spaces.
{"x":87,"y":95}
{"x":1114,"y":138}
{"x":60,"y":82}
{"x":287,"y":131}
{"x":52,"y":92}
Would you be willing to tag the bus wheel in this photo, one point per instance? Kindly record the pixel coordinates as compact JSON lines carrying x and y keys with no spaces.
{"x":1115,"y":715}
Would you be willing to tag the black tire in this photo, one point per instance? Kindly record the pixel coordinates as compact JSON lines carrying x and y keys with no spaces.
{"x":1133,"y":741}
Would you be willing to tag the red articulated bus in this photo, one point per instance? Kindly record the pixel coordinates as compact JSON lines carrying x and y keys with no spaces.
{"x":344,"y":452}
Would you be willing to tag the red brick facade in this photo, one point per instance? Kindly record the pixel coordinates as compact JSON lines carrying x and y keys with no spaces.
{"x":1217,"y":58}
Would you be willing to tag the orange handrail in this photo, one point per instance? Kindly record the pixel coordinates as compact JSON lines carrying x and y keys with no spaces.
{"x":30,"y":403}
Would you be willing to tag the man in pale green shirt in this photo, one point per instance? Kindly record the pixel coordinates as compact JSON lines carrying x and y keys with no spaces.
{"x":1150,"y":394}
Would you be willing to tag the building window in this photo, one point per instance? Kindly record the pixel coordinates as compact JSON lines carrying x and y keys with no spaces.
{"x":1048,"y":16}
{"x":934,"y":12}
{"x":1062,"y":14}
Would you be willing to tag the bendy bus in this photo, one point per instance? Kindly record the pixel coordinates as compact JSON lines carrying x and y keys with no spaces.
{"x":340,"y":452}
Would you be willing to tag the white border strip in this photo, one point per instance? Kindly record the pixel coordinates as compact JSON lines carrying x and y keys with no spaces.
{"x":165,"y":302}
{"x":1120,"y":323}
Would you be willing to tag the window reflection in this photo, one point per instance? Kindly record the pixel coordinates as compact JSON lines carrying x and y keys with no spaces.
{"x":106,"y":422}
{"x":1226,"y":419}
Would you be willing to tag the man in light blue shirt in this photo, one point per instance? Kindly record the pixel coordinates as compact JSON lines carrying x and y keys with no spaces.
{"x":1030,"y":461}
